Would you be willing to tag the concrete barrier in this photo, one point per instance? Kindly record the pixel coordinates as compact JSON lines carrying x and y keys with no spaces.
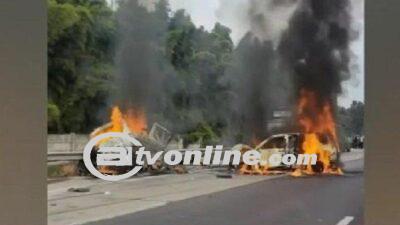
{"x":64,"y":143}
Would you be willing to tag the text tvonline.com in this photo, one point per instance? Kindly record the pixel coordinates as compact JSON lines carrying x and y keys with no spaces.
{"x":212,"y":156}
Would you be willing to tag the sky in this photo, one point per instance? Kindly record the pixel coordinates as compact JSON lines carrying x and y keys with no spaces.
{"x":231,"y":13}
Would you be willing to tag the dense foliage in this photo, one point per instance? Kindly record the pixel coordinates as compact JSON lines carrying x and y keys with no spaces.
{"x":80,"y":55}
{"x":351,"y":122}
{"x":81,"y":58}
{"x":85,"y":38}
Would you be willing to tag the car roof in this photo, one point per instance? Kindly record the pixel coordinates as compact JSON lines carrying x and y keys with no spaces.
{"x":283,"y":134}
{"x":276,"y":135}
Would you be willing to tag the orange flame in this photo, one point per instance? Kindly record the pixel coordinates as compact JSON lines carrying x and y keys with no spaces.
{"x":133,"y":121}
{"x":319,"y":128}
{"x":317,"y":123}
{"x":136,"y":121}
{"x":251,"y":169}
{"x":116,"y":124}
{"x":116,"y":120}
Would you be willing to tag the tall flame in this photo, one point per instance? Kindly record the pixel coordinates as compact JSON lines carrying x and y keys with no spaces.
{"x":116,"y":120}
{"x":136,"y":121}
{"x":318,"y":125}
{"x":133,"y":121}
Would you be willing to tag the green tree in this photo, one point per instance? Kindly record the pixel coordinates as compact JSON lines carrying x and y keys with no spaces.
{"x":350,"y":122}
{"x":356,"y":112}
{"x":80,"y":55}
{"x":199,"y":58}
{"x":160,"y":58}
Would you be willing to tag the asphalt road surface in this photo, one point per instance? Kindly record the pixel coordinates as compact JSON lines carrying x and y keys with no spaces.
{"x":316,"y":200}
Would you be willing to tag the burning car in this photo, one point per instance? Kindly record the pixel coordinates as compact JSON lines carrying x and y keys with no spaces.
{"x":134,"y":123}
{"x":291,"y":143}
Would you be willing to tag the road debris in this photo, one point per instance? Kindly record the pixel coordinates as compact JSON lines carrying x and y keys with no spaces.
{"x":80,"y":189}
{"x":224,"y":175}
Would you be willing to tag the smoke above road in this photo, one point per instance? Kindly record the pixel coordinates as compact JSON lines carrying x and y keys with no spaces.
{"x":266,"y":19}
{"x":258,"y":84}
{"x":174,"y":72}
{"x":315,"y":47}
{"x":143,"y":72}
{"x":290,"y":46}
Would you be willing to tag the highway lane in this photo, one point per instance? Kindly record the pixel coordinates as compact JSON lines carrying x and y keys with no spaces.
{"x":316,"y":200}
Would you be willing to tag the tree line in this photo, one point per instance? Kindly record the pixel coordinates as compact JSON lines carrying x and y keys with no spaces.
{"x":82,"y":46}
{"x":84,"y":41}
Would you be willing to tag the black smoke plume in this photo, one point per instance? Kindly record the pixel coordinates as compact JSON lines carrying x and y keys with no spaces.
{"x":143,"y":71}
{"x":315,"y":47}
{"x":292,"y":45}
{"x":257,"y":89}
{"x":258,"y":86}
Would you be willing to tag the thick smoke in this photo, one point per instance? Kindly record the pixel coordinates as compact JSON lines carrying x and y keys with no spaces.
{"x":142,"y":71}
{"x":248,"y":80}
{"x":315,"y":47}
{"x":257,"y":89}
{"x":266,"y":19}
{"x":258,"y":86}
{"x":291,"y":45}
{"x":288,"y":45}
{"x":148,"y":81}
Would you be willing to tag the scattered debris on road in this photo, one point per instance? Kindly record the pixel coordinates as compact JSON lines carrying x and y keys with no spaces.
{"x":81,"y":189}
{"x":224,"y":175}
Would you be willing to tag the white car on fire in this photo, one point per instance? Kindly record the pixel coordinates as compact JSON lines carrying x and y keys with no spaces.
{"x":291,"y":143}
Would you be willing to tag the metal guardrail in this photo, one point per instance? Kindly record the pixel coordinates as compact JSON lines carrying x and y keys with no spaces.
{"x":73,"y":156}
{"x":64,"y":156}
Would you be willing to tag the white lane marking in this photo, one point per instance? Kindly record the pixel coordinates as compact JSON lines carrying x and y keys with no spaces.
{"x":346,"y":220}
